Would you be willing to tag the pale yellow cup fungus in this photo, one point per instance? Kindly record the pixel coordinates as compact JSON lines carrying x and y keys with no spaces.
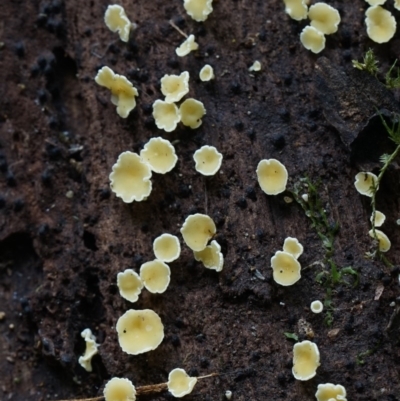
{"x":129,"y":284}
{"x":199,"y":10}
{"x":187,"y":46}
{"x":376,"y":2}
{"x":155,"y":275}
{"x":180,"y":383}
{"x":139,"y":331}
{"x":330,"y":392}
{"x":324,"y":17}
{"x":272,"y":176}
{"x":123,"y":93}
{"x":160,"y":155}
{"x":397,"y":4}
{"x":305,"y":360}
{"x":192,"y":111}
{"x":312,"y":39}
{"x":296,"y":9}
{"x":316,"y":306}
{"x":117,"y":21}
{"x":91,"y":350}
{"x":384,"y":241}
{"x":211,"y":256}
{"x":197,"y":230}
{"x":167,"y":248}
{"x":381,"y":25}
{"x":293,"y":246}
{"x":208,"y":160}
{"x":286,"y":269}
{"x":119,"y":389}
{"x":256,"y":66}
{"x":130,"y":178}
{"x":365,"y":182}
{"x":379,"y":218}
{"x":175,"y":87}
{"x":206,"y":73}
{"x":166,"y":115}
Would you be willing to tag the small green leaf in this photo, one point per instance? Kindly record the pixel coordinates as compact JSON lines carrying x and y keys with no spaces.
{"x":291,"y":336}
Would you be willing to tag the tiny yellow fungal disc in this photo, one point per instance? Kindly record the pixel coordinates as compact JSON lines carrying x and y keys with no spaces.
{"x":208,"y":160}
{"x":117,"y":21}
{"x":206,"y":73}
{"x":123,"y":93}
{"x":187,"y":46}
{"x":197,"y":230}
{"x":129,"y":284}
{"x":312,"y":39}
{"x":130,"y":178}
{"x":316,"y":307}
{"x":272,"y":176}
{"x":199,"y":10}
{"x":180,"y":383}
{"x":166,"y":115}
{"x":376,"y":2}
{"x":384,"y":241}
{"x":381,"y":25}
{"x":324,"y":17}
{"x":305,"y":360}
{"x":156,"y":276}
{"x":330,"y":392}
{"x":296,"y":9}
{"x":365,"y":182}
{"x":256,"y":66}
{"x":397,"y":4}
{"x":118,"y":389}
{"x":160,"y":155}
{"x":139,"y":331}
{"x":379,"y":218}
{"x":192,"y":111}
{"x":211,"y":256}
{"x":91,"y":349}
{"x":174,"y":87}
{"x":293,"y":246}
{"x":167,"y":248}
{"x":286,"y":269}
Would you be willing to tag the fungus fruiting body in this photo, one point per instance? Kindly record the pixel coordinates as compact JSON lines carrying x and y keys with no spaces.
{"x":166,"y":115}
{"x":381,"y":25}
{"x":397,"y":4}
{"x":365,"y":183}
{"x":286,"y":269}
{"x":206,"y":73}
{"x":139,"y":331}
{"x":256,"y":66}
{"x":123,"y":93}
{"x":316,"y":306}
{"x":293,"y":246}
{"x":119,"y":389}
{"x":180,"y":383}
{"x":376,"y":2}
{"x":305,"y":360}
{"x":187,"y":46}
{"x":199,"y":10}
{"x":211,"y":256}
{"x":197,"y":230}
{"x":192,"y":111}
{"x":156,"y":276}
{"x":384,"y":241}
{"x":330,"y":392}
{"x":160,"y":155}
{"x":174,"y":87}
{"x":272,"y":176}
{"x":379,"y":218}
{"x":312,"y":39}
{"x":208,"y":160}
{"x":91,"y":350}
{"x":129,"y":284}
{"x":296,"y":9}
{"x":130,"y":178}
{"x":324,"y":17}
{"x":167,"y":248}
{"x":117,"y":21}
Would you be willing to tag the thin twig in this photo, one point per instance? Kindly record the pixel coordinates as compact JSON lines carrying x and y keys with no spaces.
{"x":175,"y":27}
